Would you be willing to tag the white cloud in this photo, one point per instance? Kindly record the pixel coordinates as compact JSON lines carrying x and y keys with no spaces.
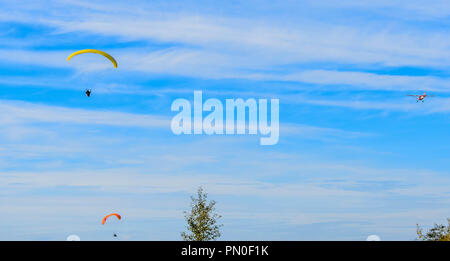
{"x":236,"y":44}
{"x":413,"y":9}
{"x":372,"y":81}
{"x":13,"y":112}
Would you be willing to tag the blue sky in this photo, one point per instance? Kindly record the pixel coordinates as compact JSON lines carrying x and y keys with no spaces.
{"x":356,"y":156}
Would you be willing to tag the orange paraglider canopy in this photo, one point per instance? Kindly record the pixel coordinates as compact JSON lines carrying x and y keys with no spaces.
{"x":107,"y":216}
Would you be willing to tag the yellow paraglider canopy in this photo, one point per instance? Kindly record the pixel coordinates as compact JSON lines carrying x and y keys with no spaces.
{"x":109,"y":57}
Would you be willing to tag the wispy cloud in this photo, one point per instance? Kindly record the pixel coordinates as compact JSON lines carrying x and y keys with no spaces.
{"x":331,"y":64}
{"x":28,"y":112}
{"x":264,"y":45}
{"x":372,"y":81}
{"x":14,"y":112}
{"x":414,"y":9}
{"x":433,"y":105}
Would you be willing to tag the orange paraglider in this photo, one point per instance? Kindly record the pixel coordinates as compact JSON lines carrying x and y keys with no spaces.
{"x":107,"y":216}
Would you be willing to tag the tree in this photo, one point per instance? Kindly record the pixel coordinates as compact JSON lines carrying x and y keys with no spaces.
{"x":202,"y":219}
{"x":437,"y":233}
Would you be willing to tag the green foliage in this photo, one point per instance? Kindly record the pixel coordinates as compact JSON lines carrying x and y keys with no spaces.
{"x":437,"y":233}
{"x":201,"y":220}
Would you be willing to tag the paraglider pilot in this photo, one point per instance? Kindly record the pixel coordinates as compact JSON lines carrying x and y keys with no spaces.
{"x":88,"y":93}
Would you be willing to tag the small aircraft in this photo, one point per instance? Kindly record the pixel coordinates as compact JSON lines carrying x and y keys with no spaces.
{"x":420,"y":97}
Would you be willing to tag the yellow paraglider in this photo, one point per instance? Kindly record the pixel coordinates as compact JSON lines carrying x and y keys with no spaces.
{"x":109,"y":57}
